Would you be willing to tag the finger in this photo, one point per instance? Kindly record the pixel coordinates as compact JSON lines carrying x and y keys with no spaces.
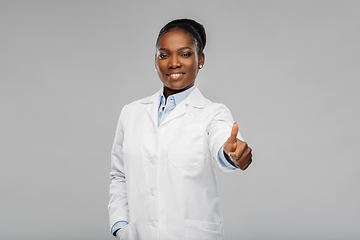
{"x":246,"y":165}
{"x":240,"y":149}
{"x":245,"y":159}
{"x":234,"y":132}
{"x":244,"y":162}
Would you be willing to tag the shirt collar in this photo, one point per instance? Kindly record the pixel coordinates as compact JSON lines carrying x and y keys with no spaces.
{"x":176,"y":98}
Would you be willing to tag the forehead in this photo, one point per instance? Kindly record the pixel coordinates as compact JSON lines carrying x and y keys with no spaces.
{"x":176,"y":39}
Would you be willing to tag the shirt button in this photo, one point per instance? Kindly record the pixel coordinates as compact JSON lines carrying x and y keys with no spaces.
{"x":153,"y":224}
{"x":153,"y":161}
{"x":152,"y":192}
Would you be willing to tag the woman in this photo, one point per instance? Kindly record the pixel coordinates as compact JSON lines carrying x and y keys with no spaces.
{"x":163,"y":183}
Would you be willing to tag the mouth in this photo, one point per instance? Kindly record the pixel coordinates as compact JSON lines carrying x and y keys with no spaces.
{"x":175,"y":76}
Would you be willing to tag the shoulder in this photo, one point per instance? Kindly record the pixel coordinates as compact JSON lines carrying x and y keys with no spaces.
{"x":208,"y":104}
{"x":143,"y":102}
{"x":206,"y":110}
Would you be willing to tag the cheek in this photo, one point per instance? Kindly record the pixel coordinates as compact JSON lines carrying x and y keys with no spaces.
{"x":191,"y":64}
{"x":160,"y":67}
{"x":193,"y":67}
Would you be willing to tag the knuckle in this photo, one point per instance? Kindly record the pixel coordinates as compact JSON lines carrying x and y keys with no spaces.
{"x":244,"y":146}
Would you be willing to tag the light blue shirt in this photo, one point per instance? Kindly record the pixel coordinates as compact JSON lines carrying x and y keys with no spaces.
{"x":167,"y":105}
{"x":165,"y":108}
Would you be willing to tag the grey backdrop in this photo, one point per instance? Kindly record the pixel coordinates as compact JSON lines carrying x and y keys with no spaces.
{"x":288,"y":70}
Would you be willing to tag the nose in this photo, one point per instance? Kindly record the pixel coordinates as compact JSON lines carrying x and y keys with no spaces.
{"x":174,"y":62}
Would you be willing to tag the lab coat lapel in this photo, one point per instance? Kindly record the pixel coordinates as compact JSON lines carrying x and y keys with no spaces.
{"x":177,"y":112}
{"x":152,"y":110}
{"x":195,"y":99}
{"x":153,"y":106}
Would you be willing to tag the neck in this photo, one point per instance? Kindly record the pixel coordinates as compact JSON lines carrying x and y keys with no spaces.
{"x":168,"y":91}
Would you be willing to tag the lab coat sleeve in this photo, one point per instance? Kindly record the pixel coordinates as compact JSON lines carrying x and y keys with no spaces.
{"x":219,"y":131}
{"x":118,"y":204}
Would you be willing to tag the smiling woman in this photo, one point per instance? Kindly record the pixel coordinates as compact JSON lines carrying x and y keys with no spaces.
{"x":179,"y":54}
{"x":177,"y":61}
{"x":163,"y":183}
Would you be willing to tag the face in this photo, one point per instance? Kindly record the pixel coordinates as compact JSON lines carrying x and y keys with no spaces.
{"x":177,"y":62}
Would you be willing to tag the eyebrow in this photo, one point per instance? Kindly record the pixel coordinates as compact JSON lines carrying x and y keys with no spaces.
{"x":165,"y":49}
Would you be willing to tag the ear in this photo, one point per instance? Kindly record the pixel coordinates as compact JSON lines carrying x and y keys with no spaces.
{"x":202,"y":59}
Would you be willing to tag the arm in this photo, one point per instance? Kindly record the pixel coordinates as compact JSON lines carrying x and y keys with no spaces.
{"x":221,"y":127}
{"x":118,"y":205}
{"x":217,"y":133}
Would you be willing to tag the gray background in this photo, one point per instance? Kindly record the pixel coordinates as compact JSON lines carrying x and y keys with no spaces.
{"x":288,"y":70}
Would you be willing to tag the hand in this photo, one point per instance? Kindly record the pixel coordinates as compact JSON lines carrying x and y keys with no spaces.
{"x":238,"y":151}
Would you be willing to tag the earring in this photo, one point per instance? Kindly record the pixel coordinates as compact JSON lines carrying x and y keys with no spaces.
{"x":200,"y":66}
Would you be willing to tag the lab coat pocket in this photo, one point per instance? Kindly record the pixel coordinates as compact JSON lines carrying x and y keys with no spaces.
{"x":199,"y":230}
{"x":187,"y":146}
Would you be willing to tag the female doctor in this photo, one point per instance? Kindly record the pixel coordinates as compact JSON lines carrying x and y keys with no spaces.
{"x":163,"y":183}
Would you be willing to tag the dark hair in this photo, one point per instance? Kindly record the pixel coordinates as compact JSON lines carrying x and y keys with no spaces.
{"x":195,"y":29}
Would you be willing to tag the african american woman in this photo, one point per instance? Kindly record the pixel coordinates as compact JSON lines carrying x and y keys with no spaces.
{"x":163,"y":183}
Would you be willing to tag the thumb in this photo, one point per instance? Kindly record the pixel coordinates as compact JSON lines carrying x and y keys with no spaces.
{"x":234,"y":132}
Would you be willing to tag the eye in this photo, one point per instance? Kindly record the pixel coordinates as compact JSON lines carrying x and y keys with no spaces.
{"x":162,"y":56}
{"x":186,"y":54}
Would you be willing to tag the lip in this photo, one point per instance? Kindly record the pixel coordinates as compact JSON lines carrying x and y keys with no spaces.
{"x":175,"y":75}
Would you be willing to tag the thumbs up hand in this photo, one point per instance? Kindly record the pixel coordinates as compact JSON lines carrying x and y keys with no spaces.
{"x":238,"y":151}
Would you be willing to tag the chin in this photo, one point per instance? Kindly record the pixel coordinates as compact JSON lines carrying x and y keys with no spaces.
{"x":177,"y":87}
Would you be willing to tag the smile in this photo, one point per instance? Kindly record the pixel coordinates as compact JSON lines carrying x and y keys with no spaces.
{"x":175,"y":76}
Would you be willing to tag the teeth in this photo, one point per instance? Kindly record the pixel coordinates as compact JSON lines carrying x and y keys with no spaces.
{"x":175,"y":74}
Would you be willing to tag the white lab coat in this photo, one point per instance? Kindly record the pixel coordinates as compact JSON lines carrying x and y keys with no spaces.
{"x":162,"y":178}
